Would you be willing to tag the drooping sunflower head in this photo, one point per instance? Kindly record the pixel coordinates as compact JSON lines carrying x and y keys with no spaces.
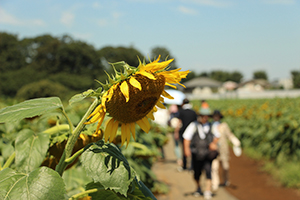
{"x":131,"y":98}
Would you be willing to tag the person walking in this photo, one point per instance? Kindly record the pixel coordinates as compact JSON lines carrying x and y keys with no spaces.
{"x":173,"y":122}
{"x":223,"y":158}
{"x":201,"y":144}
{"x":186,"y":115}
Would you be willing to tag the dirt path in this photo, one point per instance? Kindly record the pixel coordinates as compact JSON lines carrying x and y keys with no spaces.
{"x":180,"y":183}
{"x":248,"y":182}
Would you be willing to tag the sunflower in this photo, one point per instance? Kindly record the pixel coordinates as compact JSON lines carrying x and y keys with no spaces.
{"x":133,"y":96}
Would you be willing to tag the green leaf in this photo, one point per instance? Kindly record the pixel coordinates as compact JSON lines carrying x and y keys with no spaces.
{"x":31,"y":150}
{"x":105,"y":164}
{"x":75,"y":180}
{"x":29,"y":109}
{"x":41,"y":184}
{"x":136,"y":194}
{"x":81,"y":96}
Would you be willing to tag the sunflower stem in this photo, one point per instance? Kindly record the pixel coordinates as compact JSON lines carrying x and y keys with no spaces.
{"x":74,"y":156}
{"x":69,"y":121}
{"x":72,"y":140}
{"x":84,"y":193}
{"x":9,"y":161}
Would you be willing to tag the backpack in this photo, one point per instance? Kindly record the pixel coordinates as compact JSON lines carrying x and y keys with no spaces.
{"x":200,"y":147}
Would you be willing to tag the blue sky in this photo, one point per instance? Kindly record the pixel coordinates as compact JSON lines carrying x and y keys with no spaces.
{"x":202,"y":35}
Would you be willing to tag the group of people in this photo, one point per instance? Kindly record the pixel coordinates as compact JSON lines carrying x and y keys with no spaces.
{"x":203,"y":139}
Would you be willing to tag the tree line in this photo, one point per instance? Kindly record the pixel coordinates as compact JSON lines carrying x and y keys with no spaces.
{"x":48,"y":66}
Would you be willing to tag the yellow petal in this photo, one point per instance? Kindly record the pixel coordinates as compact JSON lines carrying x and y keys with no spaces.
{"x":132,"y":129}
{"x":108,"y":129}
{"x":127,"y":127}
{"x":172,"y":86}
{"x":144,"y":124}
{"x":150,"y":115}
{"x":125,"y":136}
{"x":98,"y":127}
{"x":100,"y":121}
{"x":154,"y":109}
{"x":135,"y":83}
{"x":165,"y":94}
{"x":97,"y":109}
{"x":125,"y":90}
{"x":160,"y":105}
{"x":94,"y":118}
{"x":114,"y":130}
{"x":147,"y":74}
{"x":155,"y":66}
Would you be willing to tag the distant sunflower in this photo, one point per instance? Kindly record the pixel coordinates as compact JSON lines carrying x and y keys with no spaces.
{"x":131,"y":97}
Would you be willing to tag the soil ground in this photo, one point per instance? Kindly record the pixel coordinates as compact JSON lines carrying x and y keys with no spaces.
{"x":248,"y":182}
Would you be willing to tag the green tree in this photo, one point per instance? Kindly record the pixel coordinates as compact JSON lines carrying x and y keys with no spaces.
{"x":64,"y":54}
{"x":260,"y":75}
{"x":165,"y":54}
{"x":219,"y":75}
{"x":47,"y":57}
{"x":296,"y":78}
{"x":11,"y":57}
{"x":204,"y":74}
{"x":116,"y":54}
{"x":236,"y":76}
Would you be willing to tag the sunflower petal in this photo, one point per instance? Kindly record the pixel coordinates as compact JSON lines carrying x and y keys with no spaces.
{"x":97,"y":109}
{"x":167,"y":95}
{"x":128,"y":134}
{"x":114,"y":130}
{"x":100,"y":121}
{"x":150,"y":115}
{"x":172,"y":86}
{"x":144,"y":124}
{"x":135,"y":83}
{"x":108,"y":129}
{"x":160,"y":105}
{"x":125,"y":90}
{"x":93,"y":119}
{"x":155,"y":66}
{"x":132,"y":129}
{"x":125,"y":136}
{"x":147,"y":74}
{"x":98,"y":127}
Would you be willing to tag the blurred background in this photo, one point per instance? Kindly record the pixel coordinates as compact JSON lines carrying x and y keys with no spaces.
{"x":226,"y":40}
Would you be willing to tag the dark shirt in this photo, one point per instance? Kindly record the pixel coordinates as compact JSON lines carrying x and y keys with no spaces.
{"x":186,"y":116}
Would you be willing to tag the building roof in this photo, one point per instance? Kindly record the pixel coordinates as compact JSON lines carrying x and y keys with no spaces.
{"x":202,"y":82}
{"x":262,"y":82}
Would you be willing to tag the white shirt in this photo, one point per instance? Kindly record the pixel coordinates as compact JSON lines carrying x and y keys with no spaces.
{"x":202,"y":130}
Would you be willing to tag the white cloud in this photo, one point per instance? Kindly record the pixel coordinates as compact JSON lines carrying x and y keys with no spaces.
{"x":96,"y":5}
{"x":146,"y":1}
{"x":83,"y":36}
{"x":112,"y":20}
{"x":186,"y":10}
{"x":7,"y":18}
{"x":116,"y":15}
{"x":37,"y":22}
{"x":214,"y":3}
{"x":102,"y":22}
{"x":67,"y":18}
{"x":284,"y":2}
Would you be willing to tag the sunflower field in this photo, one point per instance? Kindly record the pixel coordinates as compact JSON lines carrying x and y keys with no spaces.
{"x":269,"y":129}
